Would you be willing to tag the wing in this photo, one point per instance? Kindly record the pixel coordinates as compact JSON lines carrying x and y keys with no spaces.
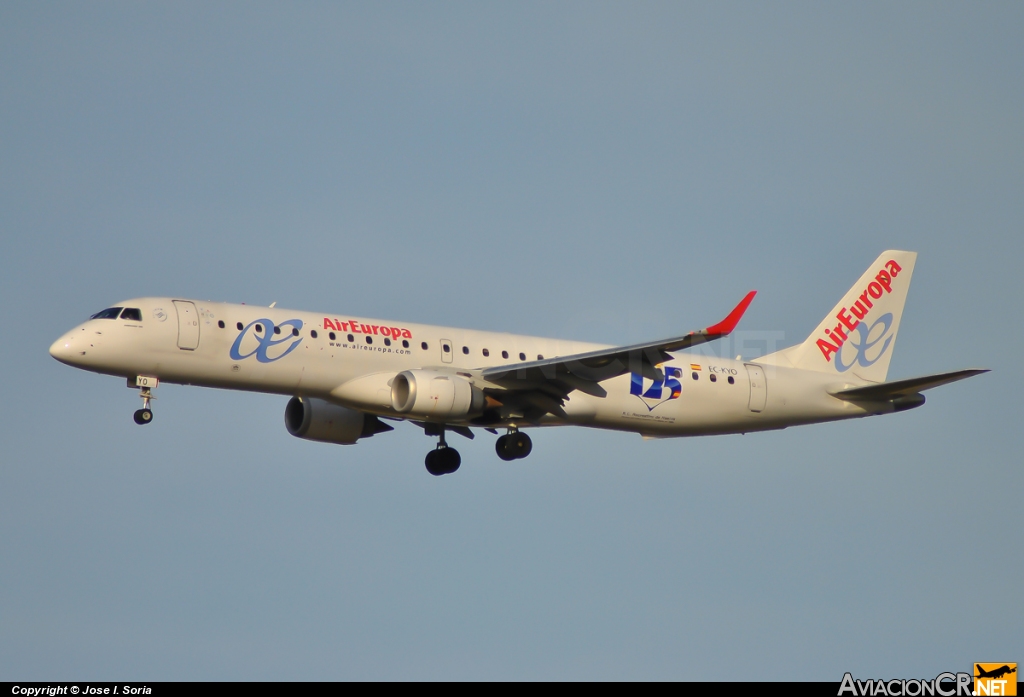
{"x":897,"y":389}
{"x":542,"y":386}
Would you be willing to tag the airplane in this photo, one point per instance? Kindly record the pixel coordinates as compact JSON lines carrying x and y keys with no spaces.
{"x":347,"y":376}
{"x":995,"y":673}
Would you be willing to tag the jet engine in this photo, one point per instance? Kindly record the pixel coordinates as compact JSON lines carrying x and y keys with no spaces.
{"x":427,"y":394}
{"x":315,"y":419}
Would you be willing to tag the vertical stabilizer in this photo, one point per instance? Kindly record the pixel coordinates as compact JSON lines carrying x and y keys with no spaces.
{"x":856,"y":338}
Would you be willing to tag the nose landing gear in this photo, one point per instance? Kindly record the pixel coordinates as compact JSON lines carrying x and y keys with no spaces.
{"x":144,"y":415}
{"x":443,"y":459}
{"x":515,"y":445}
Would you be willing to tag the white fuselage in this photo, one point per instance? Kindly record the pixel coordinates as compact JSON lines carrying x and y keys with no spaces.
{"x":351,"y":361}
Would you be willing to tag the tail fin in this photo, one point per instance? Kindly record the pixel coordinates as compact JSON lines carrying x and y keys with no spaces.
{"x":857,"y":337}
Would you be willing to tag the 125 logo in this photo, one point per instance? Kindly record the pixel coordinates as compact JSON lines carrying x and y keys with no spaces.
{"x":659,"y":391}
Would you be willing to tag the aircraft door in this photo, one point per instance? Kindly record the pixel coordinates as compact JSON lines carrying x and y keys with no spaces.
{"x":758,"y":387}
{"x":447,"y":351}
{"x":188,"y":325}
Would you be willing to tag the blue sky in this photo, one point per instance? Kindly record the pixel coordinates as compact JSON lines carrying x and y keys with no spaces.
{"x":602,"y":172}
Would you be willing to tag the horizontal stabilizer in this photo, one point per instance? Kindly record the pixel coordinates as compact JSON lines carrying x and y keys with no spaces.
{"x":903,"y":388}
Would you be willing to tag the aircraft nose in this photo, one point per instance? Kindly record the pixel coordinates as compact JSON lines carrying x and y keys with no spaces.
{"x":64,"y":348}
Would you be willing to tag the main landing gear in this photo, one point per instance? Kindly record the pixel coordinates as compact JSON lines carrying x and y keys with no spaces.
{"x":443,"y":459}
{"x":515,"y":445}
{"x":144,"y":415}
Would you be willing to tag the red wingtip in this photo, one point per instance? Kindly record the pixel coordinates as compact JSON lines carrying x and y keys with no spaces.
{"x":729,"y":323}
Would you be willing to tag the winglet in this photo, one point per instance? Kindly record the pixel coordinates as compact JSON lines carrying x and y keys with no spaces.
{"x":729,"y":323}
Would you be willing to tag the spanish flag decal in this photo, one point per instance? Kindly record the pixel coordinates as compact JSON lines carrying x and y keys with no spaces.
{"x":695,"y":366}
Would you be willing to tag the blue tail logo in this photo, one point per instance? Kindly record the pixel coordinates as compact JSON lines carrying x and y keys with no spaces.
{"x":865,"y":344}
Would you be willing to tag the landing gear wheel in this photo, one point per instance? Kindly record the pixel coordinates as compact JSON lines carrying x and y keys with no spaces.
{"x":143,"y":416}
{"x":433,"y":463}
{"x":514,"y":446}
{"x":443,"y":461}
{"x":452,"y":460}
{"x":521,"y":445}
{"x":502,"y":448}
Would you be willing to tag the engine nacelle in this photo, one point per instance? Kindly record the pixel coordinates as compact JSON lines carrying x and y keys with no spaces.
{"x":431,"y":395}
{"x":315,"y":419}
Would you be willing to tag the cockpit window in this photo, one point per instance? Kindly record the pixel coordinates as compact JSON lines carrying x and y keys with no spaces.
{"x":109,"y":313}
{"x":132,"y":313}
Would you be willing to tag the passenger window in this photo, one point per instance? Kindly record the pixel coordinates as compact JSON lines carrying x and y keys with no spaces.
{"x":504,"y":354}
{"x":238,"y":325}
{"x":351,"y":338}
{"x":486,"y":353}
{"x":135,"y":314}
{"x":369,"y":339}
{"x":295,"y":331}
{"x":465,"y":350}
{"x":331,"y":336}
{"x":446,"y":348}
{"x":277,"y":330}
{"x":713,"y":377}
{"x":312,"y":333}
{"x":732,"y":380}
{"x":695,"y":376}
{"x":405,"y":343}
{"x":387,"y":342}
{"x":109,"y":313}
{"x":259,"y":328}
{"x":540,"y":357}
{"x":522,"y":356}
{"x":220,"y":323}
{"x":423,"y":345}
